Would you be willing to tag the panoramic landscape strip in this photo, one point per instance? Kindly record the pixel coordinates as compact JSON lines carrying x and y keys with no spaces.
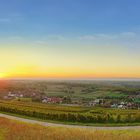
{"x":69,"y":69}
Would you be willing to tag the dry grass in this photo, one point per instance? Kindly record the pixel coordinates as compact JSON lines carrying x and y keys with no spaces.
{"x":14,"y":130}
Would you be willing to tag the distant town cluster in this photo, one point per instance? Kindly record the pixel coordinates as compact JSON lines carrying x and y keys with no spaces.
{"x":131,"y":103}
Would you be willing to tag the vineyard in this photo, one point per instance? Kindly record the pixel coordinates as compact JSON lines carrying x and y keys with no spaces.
{"x":71,"y":114}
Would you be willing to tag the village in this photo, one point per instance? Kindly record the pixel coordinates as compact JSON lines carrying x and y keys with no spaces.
{"x":129,"y":103}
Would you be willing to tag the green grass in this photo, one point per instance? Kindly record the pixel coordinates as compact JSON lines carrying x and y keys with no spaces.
{"x":96,"y":94}
{"x":116,"y":94}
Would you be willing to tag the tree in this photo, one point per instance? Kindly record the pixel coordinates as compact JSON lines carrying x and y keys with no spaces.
{"x":66,"y":99}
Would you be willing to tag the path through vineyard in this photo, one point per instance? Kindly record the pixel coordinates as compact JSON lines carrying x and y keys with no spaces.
{"x":69,"y":126}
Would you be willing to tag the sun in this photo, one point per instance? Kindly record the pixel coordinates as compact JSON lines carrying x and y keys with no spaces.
{"x":2,"y":75}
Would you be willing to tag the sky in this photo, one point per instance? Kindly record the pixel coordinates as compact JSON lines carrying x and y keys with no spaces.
{"x":69,"y":39}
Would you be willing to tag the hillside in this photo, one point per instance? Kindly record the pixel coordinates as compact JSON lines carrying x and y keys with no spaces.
{"x":14,"y":130}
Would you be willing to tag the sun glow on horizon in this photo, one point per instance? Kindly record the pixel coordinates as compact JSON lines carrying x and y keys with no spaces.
{"x":2,"y":75}
{"x":29,"y":62}
{"x":32,"y":72}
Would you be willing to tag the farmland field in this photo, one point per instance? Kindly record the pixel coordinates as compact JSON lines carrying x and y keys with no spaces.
{"x":33,"y":91}
{"x":76,"y":89}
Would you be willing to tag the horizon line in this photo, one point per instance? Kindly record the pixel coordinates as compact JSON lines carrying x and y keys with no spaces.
{"x":76,"y":79}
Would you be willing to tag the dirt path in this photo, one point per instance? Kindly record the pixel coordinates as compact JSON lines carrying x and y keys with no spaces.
{"x":68,"y":126}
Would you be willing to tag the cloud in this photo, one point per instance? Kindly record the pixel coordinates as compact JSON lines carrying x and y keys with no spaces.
{"x":16,"y":38}
{"x":41,"y":42}
{"x":87,"y":37}
{"x":45,"y":39}
{"x":108,"y":36}
{"x":128,"y":34}
{"x":97,"y":36}
{"x":54,"y":37}
{"x":11,"y":39}
{"x":11,"y":18}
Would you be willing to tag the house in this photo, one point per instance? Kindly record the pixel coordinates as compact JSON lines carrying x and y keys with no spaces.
{"x":10,"y":94}
{"x":114,"y":106}
{"x":56,"y":100}
{"x":120,"y":106}
{"x":122,"y":103}
{"x":34,"y":94}
{"x":44,"y":101}
{"x":129,"y":105}
{"x":52,"y":100}
{"x":21,"y":96}
{"x":96,"y":102}
{"x":91,"y":103}
{"x":99,"y":101}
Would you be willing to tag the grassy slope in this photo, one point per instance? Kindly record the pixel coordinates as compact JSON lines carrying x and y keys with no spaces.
{"x":16,"y":130}
{"x":1,"y":135}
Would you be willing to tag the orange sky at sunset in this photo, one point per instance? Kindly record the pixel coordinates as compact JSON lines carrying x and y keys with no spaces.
{"x":69,"y":39}
{"x":36,"y":62}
